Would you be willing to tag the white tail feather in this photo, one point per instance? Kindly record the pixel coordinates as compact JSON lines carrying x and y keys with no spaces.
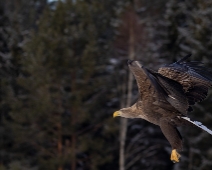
{"x":199,"y":124}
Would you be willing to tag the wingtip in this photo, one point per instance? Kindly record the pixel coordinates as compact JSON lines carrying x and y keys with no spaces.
{"x":129,"y":61}
{"x":184,"y":58}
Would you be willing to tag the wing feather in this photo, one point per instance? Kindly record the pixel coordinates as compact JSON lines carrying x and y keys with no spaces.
{"x":171,"y":90}
{"x":195,"y":78}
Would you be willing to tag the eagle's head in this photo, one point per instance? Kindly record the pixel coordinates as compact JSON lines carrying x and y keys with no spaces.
{"x":129,"y":112}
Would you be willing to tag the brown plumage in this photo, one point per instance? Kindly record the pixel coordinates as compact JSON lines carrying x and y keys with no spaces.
{"x":167,"y":95}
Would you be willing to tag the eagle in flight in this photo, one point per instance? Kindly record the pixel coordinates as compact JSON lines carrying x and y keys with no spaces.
{"x":168,"y":95}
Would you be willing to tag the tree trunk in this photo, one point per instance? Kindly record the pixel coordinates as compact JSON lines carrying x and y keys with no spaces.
{"x":73,"y":124}
{"x":123,"y":126}
{"x":73,"y":152}
{"x":59,"y":145}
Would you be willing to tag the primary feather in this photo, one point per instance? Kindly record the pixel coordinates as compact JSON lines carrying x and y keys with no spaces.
{"x":194,"y":78}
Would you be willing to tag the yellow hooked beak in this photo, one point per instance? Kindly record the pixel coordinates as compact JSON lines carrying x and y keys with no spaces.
{"x":117,"y":113}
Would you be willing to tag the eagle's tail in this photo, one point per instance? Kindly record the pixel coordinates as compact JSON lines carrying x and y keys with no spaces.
{"x":198,"y":124}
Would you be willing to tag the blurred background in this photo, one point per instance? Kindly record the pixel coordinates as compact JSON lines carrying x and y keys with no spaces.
{"x":63,"y":73}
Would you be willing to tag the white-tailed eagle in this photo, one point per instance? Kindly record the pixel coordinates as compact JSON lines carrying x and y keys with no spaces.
{"x":167,"y":96}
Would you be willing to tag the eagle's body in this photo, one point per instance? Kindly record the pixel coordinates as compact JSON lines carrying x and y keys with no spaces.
{"x":166,"y":97}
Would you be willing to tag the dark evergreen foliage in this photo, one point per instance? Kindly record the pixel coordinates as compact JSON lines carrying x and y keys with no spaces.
{"x":61,"y":64}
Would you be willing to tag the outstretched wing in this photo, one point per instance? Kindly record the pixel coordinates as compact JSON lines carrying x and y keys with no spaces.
{"x":194,"y":78}
{"x":163,"y":89}
{"x":171,"y":90}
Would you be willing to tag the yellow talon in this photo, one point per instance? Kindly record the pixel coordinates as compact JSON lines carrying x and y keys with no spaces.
{"x":175,"y":156}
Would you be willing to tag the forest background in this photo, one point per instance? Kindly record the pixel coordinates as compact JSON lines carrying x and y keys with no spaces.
{"x":63,"y":73}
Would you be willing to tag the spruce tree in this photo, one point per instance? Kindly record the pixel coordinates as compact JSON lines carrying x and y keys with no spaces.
{"x":14,"y":25}
{"x":59,"y":119}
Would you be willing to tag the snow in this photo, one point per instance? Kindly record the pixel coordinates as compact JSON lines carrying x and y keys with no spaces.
{"x":199,"y":124}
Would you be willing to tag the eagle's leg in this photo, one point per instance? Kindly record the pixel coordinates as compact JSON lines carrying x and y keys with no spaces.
{"x":175,"y":156}
{"x":174,"y":138}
